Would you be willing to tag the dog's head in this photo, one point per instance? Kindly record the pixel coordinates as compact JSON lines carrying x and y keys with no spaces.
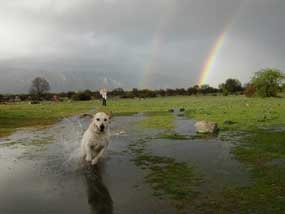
{"x":100,"y":120}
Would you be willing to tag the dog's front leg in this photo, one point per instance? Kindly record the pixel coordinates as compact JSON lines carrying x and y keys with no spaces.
{"x":88,"y":155}
{"x":99,"y":155}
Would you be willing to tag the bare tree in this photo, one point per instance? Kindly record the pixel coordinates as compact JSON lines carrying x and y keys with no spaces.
{"x":39,"y":86}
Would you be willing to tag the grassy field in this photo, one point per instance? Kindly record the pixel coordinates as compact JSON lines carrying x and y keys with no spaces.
{"x":260,"y":150}
{"x":19,"y":115}
{"x":245,"y":113}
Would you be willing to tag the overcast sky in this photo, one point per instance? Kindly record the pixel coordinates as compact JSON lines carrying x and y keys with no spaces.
{"x":136,"y":43}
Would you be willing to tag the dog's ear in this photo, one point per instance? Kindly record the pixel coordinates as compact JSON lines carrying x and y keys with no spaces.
{"x":86,"y":115}
{"x":110,"y":114}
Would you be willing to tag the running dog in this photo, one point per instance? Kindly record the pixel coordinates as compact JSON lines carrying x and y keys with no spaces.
{"x":95,"y":139}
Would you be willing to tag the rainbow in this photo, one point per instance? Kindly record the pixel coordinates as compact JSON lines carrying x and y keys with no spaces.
{"x":149,"y":68}
{"x":207,"y":67}
{"x":209,"y":64}
{"x":157,"y":43}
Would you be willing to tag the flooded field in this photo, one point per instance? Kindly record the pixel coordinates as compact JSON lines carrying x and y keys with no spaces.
{"x":144,"y":171}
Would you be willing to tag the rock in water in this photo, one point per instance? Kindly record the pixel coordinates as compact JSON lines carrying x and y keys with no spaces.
{"x":206,"y":127}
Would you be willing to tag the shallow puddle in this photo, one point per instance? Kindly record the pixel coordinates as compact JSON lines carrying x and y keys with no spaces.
{"x":41,"y":171}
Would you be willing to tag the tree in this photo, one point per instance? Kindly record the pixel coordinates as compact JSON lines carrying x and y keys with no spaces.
{"x":39,"y":87}
{"x":170,"y":92}
{"x":135,"y":92}
{"x":82,"y":95}
{"x":267,"y":82}
{"x":180,"y":91}
{"x":193,"y":90}
{"x":223,"y":89}
{"x":205,"y":89}
{"x":233,"y":85}
{"x":249,"y":90}
{"x":117,"y":92}
{"x":283,"y":87}
{"x":161,"y":92}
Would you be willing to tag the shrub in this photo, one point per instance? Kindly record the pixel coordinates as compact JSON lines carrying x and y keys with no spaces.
{"x":85,"y":95}
{"x":249,"y":90}
{"x":267,"y":82}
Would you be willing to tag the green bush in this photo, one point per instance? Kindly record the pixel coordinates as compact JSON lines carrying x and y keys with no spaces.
{"x":85,"y":95}
{"x":267,"y":82}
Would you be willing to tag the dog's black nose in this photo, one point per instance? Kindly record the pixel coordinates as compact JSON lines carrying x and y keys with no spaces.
{"x":102,"y":127}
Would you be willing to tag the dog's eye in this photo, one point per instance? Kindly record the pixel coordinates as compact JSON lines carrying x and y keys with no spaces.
{"x":98,"y":119}
{"x":105,"y":119}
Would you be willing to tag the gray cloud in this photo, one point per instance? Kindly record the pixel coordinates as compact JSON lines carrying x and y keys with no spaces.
{"x":87,"y":40}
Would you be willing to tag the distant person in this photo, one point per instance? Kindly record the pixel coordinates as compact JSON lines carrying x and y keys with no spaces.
{"x":103,"y":93}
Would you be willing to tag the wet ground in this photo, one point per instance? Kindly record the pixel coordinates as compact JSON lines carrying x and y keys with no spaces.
{"x":41,"y":170}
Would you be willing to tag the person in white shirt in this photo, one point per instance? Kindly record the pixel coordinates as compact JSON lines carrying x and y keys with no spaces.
{"x":103,"y":93}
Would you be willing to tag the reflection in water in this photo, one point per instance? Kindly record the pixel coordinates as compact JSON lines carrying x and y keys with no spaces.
{"x":99,"y":197}
{"x":50,"y":174}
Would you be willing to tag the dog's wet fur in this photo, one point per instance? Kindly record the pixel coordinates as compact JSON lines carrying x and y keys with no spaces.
{"x":95,"y":139}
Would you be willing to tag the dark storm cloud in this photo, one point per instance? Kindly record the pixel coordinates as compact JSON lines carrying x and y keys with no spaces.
{"x":103,"y":39}
{"x":133,"y":19}
{"x":255,"y":41}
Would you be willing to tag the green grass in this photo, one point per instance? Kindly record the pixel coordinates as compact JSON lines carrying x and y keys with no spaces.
{"x":261,"y":146}
{"x":158,"y":120}
{"x":168,"y":178}
{"x":13,"y":116}
{"x":257,"y":150}
{"x":267,"y":192}
{"x":247,"y":113}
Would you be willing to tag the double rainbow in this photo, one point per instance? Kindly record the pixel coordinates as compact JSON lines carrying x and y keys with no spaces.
{"x":209,"y":64}
{"x":158,"y":40}
{"x":207,"y":68}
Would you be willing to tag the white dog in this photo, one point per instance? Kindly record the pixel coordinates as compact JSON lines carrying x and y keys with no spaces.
{"x":96,"y":138}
